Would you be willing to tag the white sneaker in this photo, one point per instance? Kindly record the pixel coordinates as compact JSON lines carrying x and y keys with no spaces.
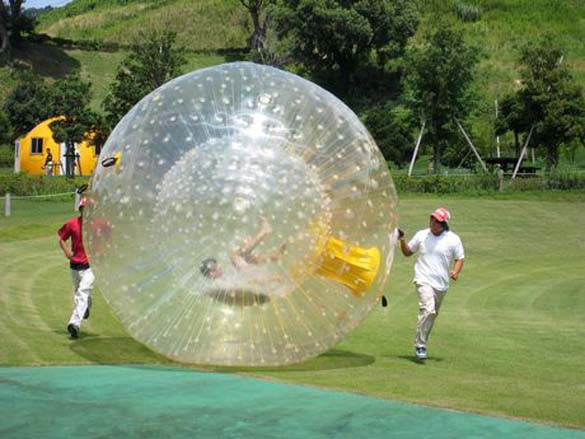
{"x":420,"y":353}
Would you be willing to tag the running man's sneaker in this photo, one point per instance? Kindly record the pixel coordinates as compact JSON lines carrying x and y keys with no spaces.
{"x":73,"y":330}
{"x":421,"y":353}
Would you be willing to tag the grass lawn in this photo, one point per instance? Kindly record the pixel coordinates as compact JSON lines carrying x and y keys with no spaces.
{"x":509,"y":340}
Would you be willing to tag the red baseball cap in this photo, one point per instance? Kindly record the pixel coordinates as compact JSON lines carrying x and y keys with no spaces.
{"x":442,"y":215}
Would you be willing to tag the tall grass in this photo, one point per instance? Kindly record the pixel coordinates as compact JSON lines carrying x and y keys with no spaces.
{"x":467,"y":12}
{"x":200,"y":24}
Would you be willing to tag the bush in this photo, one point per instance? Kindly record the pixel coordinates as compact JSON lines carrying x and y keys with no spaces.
{"x":566,"y":180}
{"x":446,"y":184}
{"x":488,"y":183}
{"x":527,"y":184}
{"x":23,"y":184}
{"x":6,"y":157}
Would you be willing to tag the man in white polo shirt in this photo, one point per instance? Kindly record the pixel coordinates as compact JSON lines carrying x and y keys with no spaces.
{"x":438,"y":248}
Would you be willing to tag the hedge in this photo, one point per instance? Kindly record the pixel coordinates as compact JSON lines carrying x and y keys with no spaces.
{"x":487,"y":183}
{"x":23,"y":184}
{"x":446,"y":184}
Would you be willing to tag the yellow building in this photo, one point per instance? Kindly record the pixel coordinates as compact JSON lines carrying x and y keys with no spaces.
{"x":30,"y":153}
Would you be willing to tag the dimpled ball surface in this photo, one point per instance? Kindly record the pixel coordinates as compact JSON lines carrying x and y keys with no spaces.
{"x":205,"y":165}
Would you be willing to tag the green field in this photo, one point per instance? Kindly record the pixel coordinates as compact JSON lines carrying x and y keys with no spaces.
{"x":509,"y":341}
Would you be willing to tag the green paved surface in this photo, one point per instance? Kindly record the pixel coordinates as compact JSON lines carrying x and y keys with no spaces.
{"x":163,"y":402}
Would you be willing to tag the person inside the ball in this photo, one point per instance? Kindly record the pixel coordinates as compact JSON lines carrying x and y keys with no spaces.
{"x":245,"y":256}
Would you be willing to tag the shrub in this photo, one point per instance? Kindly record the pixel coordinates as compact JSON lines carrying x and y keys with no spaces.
{"x":527,"y":184}
{"x":446,"y":184}
{"x":23,"y":184}
{"x":487,"y":183}
{"x":566,"y":180}
{"x":6,"y":157}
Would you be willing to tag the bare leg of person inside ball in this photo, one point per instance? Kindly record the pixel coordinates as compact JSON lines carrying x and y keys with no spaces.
{"x":244,"y":256}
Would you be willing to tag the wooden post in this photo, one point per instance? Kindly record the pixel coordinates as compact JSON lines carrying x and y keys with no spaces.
{"x":471,"y":145}
{"x":7,"y":206}
{"x":497,"y":137}
{"x":522,"y":153}
{"x":416,"y":148}
{"x":76,"y":202}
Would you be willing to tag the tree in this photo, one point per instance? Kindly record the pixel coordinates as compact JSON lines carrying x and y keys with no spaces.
{"x":513,"y":118}
{"x":257,"y":10}
{"x":392,"y":127}
{"x":153,"y":60}
{"x":5,"y":129}
{"x":71,"y":97}
{"x":333,"y":39}
{"x":440,"y":74}
{"x":13,"y":23}
{"x":29,"y":103}
{"x":4,"y":35}
{"x":549,"y":102}
{"x":33,"y":101}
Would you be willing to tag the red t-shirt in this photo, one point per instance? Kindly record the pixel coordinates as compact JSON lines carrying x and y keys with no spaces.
{"x":72,"y":229}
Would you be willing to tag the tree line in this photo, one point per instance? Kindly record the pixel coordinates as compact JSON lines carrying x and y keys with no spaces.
{"x":369,"y":53}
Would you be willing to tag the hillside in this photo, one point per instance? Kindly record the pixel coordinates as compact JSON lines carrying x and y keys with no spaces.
{"x":99,"y":67}
{"x":507,"y":25}
{"x":504,"y":25}
{"x":199,"y":24}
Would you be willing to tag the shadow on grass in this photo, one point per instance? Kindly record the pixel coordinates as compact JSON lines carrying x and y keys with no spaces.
{"x":46,"y":61}
{"x":115,"y":350}
{"x":125,"y":350}
{"x":332,"y":359}
{"x":415,"y":360}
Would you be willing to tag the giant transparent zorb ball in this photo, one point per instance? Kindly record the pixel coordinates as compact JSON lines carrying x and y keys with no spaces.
{"x":269,"y":175}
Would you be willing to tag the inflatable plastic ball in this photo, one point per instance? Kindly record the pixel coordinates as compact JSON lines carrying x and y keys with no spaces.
{"x":240,"y":215}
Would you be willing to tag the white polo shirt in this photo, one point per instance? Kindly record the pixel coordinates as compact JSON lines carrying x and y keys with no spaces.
{"x":435,"y":256}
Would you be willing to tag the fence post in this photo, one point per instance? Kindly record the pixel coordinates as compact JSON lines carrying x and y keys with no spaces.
{"x":7,"y":204}
{"x":77,"y":200}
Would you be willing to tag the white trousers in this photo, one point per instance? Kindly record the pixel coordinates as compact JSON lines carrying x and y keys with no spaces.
{"x":82,"y":284}
{"x":429,"y":303}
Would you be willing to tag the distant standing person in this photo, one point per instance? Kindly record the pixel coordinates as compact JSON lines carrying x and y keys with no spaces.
{"x":48,"y":166}
{"x":438,"y":248}
{"x":81,"y":273}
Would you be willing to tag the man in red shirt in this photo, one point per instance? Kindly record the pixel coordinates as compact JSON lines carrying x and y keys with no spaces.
{"x":81,"y":273}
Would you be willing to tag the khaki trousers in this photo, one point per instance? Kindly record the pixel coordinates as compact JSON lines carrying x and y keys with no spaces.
{"x":429,"y":303}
